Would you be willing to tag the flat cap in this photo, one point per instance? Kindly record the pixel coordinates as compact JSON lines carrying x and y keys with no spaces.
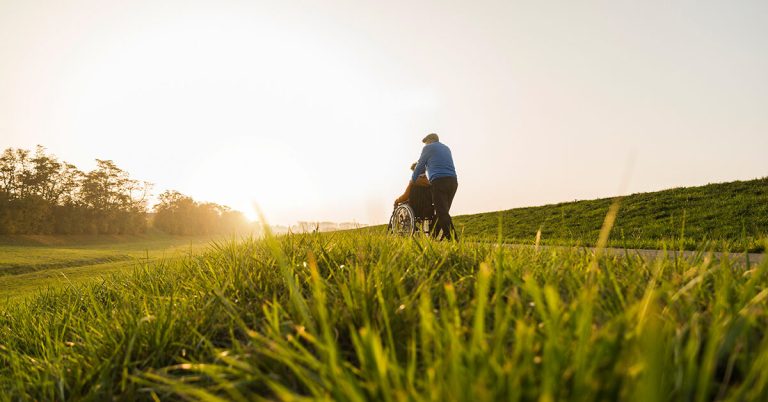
{"x":430,"y":138}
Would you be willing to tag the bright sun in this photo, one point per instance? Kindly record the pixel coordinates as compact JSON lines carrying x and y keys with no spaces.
{"x":248,"y":177}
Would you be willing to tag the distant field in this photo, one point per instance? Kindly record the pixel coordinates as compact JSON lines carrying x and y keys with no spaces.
{"x":29,"y":263}
{"x":731,"y":216}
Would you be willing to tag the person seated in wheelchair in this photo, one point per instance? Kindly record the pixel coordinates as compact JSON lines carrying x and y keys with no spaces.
{"x":418,"y":195}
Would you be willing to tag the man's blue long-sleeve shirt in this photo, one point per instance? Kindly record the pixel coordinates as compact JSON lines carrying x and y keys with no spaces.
{"x":436,"y":159}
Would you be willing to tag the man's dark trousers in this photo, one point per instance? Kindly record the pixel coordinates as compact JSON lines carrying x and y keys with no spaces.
{"x":443,"y":190}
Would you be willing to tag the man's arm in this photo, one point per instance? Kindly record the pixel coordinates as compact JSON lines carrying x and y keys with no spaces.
{"x":421,"y":165}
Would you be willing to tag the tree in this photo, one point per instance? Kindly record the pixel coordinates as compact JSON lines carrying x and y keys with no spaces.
{"x":40,"y":194}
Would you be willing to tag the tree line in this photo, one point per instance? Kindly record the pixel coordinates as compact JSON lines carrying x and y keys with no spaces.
{"x":179,"y":214}
{"x":39,"y":194}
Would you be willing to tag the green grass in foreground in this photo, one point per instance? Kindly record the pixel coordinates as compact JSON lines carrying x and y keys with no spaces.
{"x":725,"y":215}
{"x":349,"y":316}
{"x":28,"y":263}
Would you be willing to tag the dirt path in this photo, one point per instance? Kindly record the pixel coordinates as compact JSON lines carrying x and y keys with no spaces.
{"x":741,"y":258}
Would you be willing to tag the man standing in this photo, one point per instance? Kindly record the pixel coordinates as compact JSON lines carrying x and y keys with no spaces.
{"x":436,"y":159}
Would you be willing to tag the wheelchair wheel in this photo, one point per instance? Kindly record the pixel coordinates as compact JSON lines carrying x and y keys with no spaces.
{"x":403,"y":221}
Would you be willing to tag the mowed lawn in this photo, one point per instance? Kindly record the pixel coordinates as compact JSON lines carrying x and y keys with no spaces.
{"x":34,"y":263}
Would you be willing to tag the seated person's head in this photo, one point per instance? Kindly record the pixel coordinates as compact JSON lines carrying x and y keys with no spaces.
{"x":430,"y":138}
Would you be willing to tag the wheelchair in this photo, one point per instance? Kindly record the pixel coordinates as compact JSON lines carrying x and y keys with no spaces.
{"x":405,"y":222}
{"x":417,"y":216}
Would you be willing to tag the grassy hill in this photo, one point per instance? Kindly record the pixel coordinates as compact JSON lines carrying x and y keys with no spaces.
{"x":725,"y":215}
{"x":357,"y":316}
{"x":363,"y":316}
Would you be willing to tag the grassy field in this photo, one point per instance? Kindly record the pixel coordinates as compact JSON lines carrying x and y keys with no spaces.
{"x":356,"y":316}
{"x":731,"y":216}
{"x":29,"y":263}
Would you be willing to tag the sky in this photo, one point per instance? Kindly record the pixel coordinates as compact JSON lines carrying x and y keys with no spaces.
{"x":314,"y":110}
